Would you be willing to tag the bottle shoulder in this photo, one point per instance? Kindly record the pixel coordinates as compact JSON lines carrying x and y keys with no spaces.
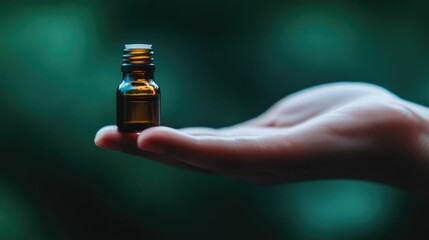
{"x":138,"y":88}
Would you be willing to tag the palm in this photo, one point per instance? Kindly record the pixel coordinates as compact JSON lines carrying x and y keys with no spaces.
{"x":331,"y":131}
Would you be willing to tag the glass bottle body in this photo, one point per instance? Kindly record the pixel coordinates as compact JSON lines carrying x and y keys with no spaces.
{"x":137,"y":101}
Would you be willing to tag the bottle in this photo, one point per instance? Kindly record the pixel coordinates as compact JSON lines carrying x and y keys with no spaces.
{"x":138,"y":96}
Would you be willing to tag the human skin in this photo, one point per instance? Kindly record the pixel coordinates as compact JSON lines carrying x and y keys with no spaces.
{"x":332,"y":131}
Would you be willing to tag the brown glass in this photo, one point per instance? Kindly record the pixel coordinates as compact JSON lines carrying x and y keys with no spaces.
{"x":137,"y":101}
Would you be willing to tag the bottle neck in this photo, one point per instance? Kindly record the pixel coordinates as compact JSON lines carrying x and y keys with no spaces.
{"x":137,"y":57}
{"x":137,"y":75}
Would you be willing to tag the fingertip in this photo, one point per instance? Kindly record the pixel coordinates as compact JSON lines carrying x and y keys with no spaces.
{"x":146,"y":139}
{"x":102,"y":135}
{"x":110,"y":138}
{"x":155,"y":139}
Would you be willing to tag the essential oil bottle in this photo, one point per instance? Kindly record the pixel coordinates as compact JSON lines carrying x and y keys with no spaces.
{"x":138,"y":96}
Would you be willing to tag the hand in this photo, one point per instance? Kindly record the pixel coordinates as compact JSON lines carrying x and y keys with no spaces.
{"x":343,"y":130}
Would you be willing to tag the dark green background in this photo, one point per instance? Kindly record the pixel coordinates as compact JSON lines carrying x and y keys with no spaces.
{"x":218,"y":63}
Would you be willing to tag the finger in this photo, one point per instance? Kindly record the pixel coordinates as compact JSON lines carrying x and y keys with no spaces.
{"x":211,"y":152}
{"x":305,"y":152}
{"x":233,"y":131}
{"x":110,"y":138}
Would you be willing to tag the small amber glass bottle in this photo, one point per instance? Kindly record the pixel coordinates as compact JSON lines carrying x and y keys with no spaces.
{"x":138,"y":96}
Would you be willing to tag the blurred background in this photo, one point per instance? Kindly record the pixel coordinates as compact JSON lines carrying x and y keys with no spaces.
{"x":218,"y":63}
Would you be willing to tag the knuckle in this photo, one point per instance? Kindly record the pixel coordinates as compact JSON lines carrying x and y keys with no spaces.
{"x":398,"y":124}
